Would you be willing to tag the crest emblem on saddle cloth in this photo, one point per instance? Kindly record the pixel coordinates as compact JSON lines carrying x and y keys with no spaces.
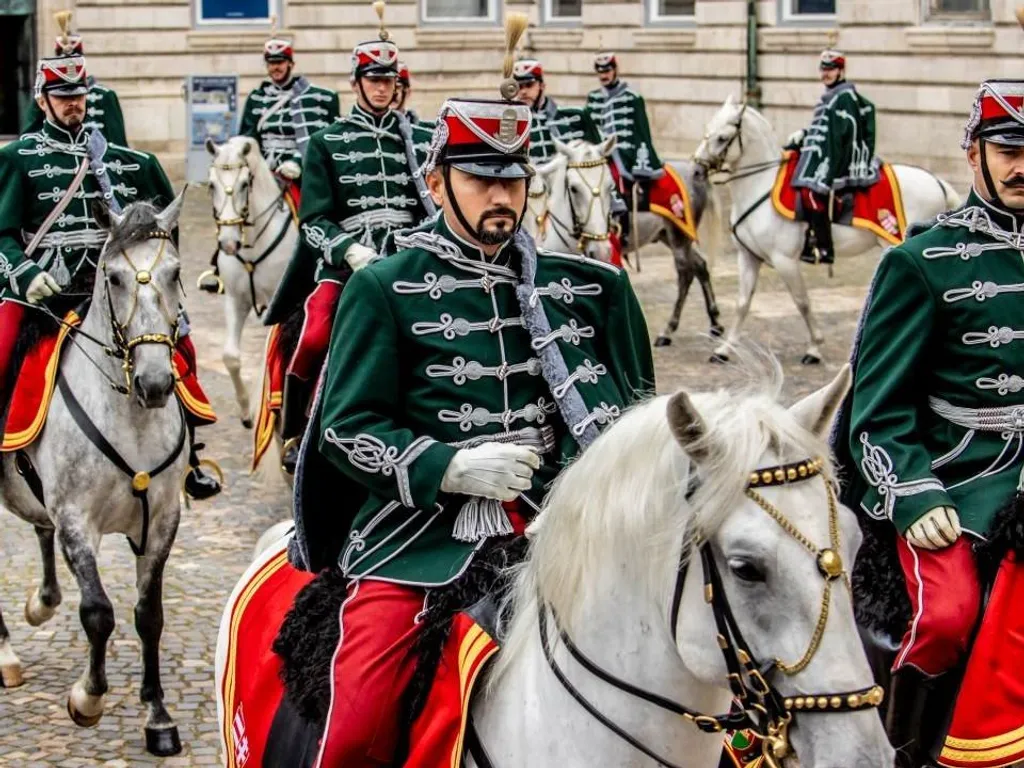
{"x":888,"y":221}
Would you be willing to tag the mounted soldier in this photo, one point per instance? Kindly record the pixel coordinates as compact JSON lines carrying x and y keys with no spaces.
{"x":550,"y":121}
{"x":837,"y":153}
{"x":360,"y":184}
{"x":103,"y":110}
{"x":459,"y":383}
{"x":932,"y":448}
{"x":49,"y":235}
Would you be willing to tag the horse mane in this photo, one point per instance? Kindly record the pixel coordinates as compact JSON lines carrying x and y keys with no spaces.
{"x":623,"y":503}
{"x":139,"y":220}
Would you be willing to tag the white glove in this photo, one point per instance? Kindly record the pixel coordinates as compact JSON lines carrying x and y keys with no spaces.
{"x":43,"y":286}
{"x":796,"y":138}
{"x":492,"y":470}
{"x":289,"y":169}
{"x":936,"y":529}
{"x":358,"y":256}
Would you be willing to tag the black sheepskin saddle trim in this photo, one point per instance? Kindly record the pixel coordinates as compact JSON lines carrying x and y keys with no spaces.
{"x":309,"y":635}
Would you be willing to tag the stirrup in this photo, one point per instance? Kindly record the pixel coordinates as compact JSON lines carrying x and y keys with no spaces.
{"x":288,"y":444}
{"x":188,"y":471}
{"x":210,"y":273}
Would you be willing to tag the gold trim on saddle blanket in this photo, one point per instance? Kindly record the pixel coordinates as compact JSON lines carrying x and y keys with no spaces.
{"x":1003,"y":750}
{"x":688,"y":227}
{"x":476,"y":649}
{"x":270,"y":405}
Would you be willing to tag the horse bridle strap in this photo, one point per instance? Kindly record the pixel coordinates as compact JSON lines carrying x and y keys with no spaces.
{"x":250,"y":265}
{"x":140,"y":480}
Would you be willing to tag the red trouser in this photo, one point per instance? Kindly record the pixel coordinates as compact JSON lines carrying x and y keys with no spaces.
{"x":11,"y":315}
{"x":316,"y":330}
{"x":945,"y":595}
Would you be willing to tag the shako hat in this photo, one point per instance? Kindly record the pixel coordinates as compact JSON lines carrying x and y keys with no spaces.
{"x":66,"y":43}
{"x":605,"y":62}
{"x":403,"y":74}
{"x":831,"y":58}
{"x":487,"y":137}
{"x":528,"y":71}
{"x":277,"y":48}
{"x":998,"y":114}
{"x":379,"y":57}
{"x":62,"y":76}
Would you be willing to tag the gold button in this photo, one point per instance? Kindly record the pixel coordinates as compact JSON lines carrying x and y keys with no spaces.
{"x":835,"y":702}
{"x":791,"y":474}
{"x":822,"y":703}
{"x":802,"y":470}
{"x":853,"y":701}
{"x":143,"y":277}
{"x":780,"y":475}
{"x":766,"y":477}
{"x":830,"y":564}
{"x":141,"y":481}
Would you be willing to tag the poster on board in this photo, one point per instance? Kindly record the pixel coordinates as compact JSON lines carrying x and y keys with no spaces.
{"x":212,"y":112}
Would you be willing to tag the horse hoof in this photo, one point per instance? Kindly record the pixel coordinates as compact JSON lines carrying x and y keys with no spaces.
{"x":717,"y":331}
{"x":83,"y":721}
{"x":719,"y":358}
{"x":810,"y":360}
{"x":663,"y":341}
{"x":11,"y":676}
{"x":37,"y":612}
{"x":163,"y":742}
{"x":247,"y":423}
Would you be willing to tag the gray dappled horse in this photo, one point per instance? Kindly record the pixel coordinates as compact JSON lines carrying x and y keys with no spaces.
{"x":569,"y":210}
{"x":131,"y":485}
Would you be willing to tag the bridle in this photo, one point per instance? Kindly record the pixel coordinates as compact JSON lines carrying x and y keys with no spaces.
{"x":242,"y":211}
{"x":758,"y":705}
{"x":123,"y":344}
{"x":577,"y":231}
{"x":719,"y":163}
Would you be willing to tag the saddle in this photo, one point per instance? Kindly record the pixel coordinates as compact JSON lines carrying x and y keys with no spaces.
{"x":281,"y":343}
{"x":877,"y":209}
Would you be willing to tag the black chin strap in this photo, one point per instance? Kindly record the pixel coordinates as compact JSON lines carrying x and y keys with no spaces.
{"x":987,"y":175}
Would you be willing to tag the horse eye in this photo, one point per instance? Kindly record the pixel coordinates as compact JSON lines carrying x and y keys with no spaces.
{"x":176,"y":275}
{"x":744,"y":570}
{"x":115,"y":281}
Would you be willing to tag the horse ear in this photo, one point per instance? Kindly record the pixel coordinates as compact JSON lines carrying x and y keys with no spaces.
{"x":816,"y":411}
{"x":167,"y":219}
{"x":688,"y":426}
{"x":211,"y":146}
{"x":607,"y":146}
{"x":730,"y":100}
{"x":546,"y":169}
{"x":104,"y":216}
{"x":562,"y":148}
{"x":247,"y":147}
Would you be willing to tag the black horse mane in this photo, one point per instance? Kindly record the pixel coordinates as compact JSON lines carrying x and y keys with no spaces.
{"x":139,"y":221}
{"x":310,"y":632}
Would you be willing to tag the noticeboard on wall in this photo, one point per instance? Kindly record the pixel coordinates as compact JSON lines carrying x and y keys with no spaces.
{"x":211,"y":113}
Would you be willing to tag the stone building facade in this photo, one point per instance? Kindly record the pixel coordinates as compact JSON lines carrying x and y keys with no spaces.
{"x":919,"y":60}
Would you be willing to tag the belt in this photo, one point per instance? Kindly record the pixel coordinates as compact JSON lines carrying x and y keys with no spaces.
{"x":1001,"y":419}
{"x":82,"y":238}
{"x":384,"y":217}
{"x":540,"y":438}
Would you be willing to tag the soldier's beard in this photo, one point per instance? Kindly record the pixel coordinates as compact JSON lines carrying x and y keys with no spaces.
{"x":502,"y":229}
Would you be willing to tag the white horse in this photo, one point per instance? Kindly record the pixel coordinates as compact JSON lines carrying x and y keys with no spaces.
{"x":569,"y":210}
{"x":615,"y":568}
{"x":740,"y":139}
{"x":111,"y":462}
{"x":256,"y":235}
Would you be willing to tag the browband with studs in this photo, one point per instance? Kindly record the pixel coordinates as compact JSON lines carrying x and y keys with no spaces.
{"x":786,"y":473}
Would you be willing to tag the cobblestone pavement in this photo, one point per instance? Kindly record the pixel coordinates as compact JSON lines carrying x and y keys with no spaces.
{"x":216,"y":538}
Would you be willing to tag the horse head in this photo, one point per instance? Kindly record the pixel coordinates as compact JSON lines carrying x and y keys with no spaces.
{"x":739,"y":490}
{"x":581,"y":193}
{"x":722,"y":144}
{"x":137,"y":295}
{"x":232,"y":175}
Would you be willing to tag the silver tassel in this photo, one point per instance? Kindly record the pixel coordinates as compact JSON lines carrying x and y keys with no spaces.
{"x":479,"y":519}
{"x":60,"y":270}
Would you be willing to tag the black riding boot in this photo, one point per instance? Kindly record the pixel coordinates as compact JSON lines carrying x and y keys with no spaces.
{"x":198,"y":484}
{"x":818,"y":245}
{"x":919,"y":711}
{"x":293,"y":420}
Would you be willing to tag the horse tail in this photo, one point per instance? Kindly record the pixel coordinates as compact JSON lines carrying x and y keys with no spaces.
{"x":709,"y":227}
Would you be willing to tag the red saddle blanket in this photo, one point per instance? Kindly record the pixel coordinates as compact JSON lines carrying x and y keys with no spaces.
{"x":988,"y":722}
{"x":37,"y":378}
{"x":662,"y":190}
{"x":878,"y":209}
{"x":271,"y":396}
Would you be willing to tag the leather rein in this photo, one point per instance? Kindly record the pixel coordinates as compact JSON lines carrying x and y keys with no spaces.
{"x":758,"y":705}
{"x":576,"y":231}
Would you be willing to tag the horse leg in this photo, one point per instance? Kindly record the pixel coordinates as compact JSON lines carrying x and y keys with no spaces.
{"x":10,"y":665}
{"x":85,"y":704}
{"x":162,"y":737}
{"x":750,"y":269}
{"x":42,"y":603}
{"x":684,"y":278}
{"x":789,"y":270}
{"x":235,"y":312}
{"x":703,"y":275}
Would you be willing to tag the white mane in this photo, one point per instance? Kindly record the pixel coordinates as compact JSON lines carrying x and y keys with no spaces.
{"x":624,"y":499}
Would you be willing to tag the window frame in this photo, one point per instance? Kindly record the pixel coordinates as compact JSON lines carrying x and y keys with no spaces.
{"x":956,"y":17}
{"x":494,"y":16}
{"x":274,"y":9}
{"x":788,"y":16}
{"x":547,"y":14}
{"x":653,"y":18}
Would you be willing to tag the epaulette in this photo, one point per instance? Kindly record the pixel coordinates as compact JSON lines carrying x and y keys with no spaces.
{"x":579,"y":259}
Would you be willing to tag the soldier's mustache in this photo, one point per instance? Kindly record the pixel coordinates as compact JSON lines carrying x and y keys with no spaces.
{"x":1015,"y":182}
{"x":499,"y":212}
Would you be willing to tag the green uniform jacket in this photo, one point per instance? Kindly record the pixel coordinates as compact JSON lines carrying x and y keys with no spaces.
{"x":942,"y":340}
{"x":358,"y":185}
{"x":620,"y":111}
{"x":838,"y":150}
{"x":430,"y":348}
{"x":36,"y":170}
{"x":552,"y":122}
{"x":102,"y":113}
{"x":282,"y":135}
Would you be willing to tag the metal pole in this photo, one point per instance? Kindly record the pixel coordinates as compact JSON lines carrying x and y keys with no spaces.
{"x":753,"y":90}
